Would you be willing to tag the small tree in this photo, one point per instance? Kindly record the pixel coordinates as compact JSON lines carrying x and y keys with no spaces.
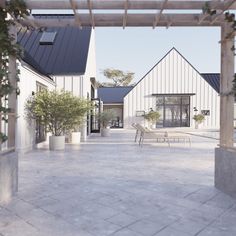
{"x":118,"y":77}
{"x":199,"y":118}
{"x":106,"y":117}
{"x":59,"y":112}
{"x":152,"y":116}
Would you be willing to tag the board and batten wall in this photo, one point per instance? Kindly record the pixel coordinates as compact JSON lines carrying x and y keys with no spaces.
{"x":173,"y":74}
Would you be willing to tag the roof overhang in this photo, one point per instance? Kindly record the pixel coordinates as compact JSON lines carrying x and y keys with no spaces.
{"x":172,"y":94}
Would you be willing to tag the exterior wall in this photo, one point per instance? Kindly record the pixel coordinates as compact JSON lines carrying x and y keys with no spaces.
{"x":172,"y":75}
{"x":25,"y":134}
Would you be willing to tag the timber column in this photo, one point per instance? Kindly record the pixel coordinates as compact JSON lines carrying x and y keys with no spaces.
{"x":225,"y":155}
{"x":9,"y":159}
{"x":226,"y":99}
{"x":12,"y":102}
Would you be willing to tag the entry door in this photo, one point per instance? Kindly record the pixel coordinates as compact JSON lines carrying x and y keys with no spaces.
{"x":172,"y":116}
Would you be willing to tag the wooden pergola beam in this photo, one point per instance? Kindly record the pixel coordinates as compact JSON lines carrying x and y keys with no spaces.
{"x":116,"y":20}
{"x":91,"y":13}
{"x":74,"y":8}
{"x":125,"y":14}
{"x":228,"y":4}
{"x":158,"y":16}
{"x":133,"y":5}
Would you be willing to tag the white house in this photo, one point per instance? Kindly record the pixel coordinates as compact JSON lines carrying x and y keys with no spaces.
{"x":113,"y":98}
{"x":178,"y":91}
{"x":56,"y":58}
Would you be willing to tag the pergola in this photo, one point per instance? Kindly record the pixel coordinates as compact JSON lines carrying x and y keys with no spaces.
{"x":157,"y":13}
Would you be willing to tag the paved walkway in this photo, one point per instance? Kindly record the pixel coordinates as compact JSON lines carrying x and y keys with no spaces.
{"x":111,"y":186}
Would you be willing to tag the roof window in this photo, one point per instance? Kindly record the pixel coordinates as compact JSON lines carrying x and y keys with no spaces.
{"x":47,"y":38}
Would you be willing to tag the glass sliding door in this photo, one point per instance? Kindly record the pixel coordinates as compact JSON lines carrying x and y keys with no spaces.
{"x":174,"y":111}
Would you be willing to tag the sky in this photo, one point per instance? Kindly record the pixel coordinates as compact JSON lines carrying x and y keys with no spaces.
{"x":139,"y":49}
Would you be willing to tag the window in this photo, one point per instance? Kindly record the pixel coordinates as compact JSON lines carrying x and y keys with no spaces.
{"x":174,"y":110}
{"x":47,"y":38}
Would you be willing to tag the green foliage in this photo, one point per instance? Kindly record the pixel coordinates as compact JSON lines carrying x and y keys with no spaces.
{"x":16,"y":9}
{"x":207,"y":9}
{"x":199,"y":118}
{"x":106,"y":117}
{"x":152,"y":116}
{"x":118,"y":77}
{"x":230,"y":18}
{"x":59,"y":112}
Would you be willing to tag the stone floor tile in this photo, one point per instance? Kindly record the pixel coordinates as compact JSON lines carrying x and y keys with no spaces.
{"x":209,"y":231}
{"x":222,"y":200}
{"x":102,"y":228}
{"x":125,"y":232}
{"x":123,"y":219}
{"x":188,"y":226}
{"x":147,"y":228}
{"x":168,"y":231}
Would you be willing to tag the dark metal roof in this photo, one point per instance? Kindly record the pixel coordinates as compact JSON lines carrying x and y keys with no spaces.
{"x":213,"y":79}
{"x":68,"y":54}
{"x":113,"y":94}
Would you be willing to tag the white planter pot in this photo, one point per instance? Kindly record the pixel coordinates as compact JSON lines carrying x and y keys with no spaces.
{"x":105,"y":132}
{"x":8,"y":176}
{"x":57,"y":142}
{"x":75,"y":137}
{"x":153,"y":126}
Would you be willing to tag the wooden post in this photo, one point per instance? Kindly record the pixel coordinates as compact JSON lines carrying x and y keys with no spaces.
{"x":226,"y":100}
{"x":12,"y":103}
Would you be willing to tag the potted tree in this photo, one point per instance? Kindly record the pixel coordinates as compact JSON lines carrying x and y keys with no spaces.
{"x":152,"y":117}
{"x":199,"y":118}
{"x":105,"y":118}
{"x":85,"y":106}
{"x":59,"y":112}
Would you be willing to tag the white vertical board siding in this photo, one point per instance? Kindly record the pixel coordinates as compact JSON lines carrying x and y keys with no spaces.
{"x":172,"y":75}
{"x":25,"y":131}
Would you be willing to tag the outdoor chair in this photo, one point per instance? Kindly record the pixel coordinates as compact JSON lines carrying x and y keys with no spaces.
{"x":162,"y":136}
{"x":134,"y":125}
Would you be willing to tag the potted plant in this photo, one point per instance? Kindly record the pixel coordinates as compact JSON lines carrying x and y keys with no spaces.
{"x":199,"y":118}
{"x":85,"y":106}
{"x":59,"y":112}
{"x":152,"y":117}
{"x":105,"y":118}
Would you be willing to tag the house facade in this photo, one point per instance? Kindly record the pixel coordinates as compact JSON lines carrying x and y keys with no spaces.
{"x":178,"y":91}
{"x":58,"y":58}
{"x":113,"y":99}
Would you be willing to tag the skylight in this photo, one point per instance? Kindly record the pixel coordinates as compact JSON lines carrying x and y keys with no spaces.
{"x":47,"y":38}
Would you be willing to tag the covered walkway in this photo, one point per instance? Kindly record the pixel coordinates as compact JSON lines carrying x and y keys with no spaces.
{"x":111,"y":186}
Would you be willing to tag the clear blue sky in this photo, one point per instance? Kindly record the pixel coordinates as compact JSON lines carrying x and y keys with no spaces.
{"x":139,"y":49}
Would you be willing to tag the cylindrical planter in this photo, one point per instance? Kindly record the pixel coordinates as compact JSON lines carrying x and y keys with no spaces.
{"x":105,"y":132}
{"x":57,"y":142}
{"x":8,"y":176}
{"x":75,"y":137}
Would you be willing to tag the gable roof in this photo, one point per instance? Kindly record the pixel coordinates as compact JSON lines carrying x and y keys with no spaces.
{"x":68,"y":54}
{"x":213,"y":79}
{"x":113,"y":94}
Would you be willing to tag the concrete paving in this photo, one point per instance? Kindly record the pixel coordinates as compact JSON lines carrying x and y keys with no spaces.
{"x":111,"y":186}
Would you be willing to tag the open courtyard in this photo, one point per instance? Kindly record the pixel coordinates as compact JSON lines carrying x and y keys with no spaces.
{"x":112,"y":186}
